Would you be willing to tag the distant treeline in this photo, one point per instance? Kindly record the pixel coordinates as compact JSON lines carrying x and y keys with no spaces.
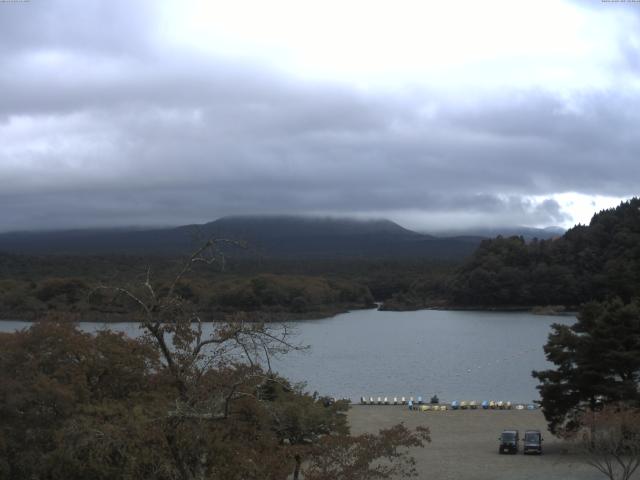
{"x":593,"y":262}
{"x":33,"y":286}
{"x":266,"y":293}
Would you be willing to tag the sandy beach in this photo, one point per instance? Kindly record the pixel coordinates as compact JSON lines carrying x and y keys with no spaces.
{"x":464,"y":444}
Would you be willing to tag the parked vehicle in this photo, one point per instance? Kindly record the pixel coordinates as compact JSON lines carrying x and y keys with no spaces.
{"x":509,"y":441}
{"x":532,"y":442}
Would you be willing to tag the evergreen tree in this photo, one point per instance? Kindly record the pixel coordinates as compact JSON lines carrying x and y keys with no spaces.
{"x":587,"y":263}
{"x":597,"y":361}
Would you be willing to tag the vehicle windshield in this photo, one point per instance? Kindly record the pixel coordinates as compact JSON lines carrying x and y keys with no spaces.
{"x":508,"y":437}
{"x":532,"y":437}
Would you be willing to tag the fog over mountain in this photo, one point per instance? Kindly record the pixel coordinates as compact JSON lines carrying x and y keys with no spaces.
{"x":435,"y":115}
{"x":250,"y":236}
{"x":528,"y":233}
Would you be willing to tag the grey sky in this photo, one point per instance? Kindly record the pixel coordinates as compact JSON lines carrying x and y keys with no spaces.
{"x":148,"y":113}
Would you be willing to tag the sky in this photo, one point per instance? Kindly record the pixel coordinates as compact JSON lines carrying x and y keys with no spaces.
{"x":438,"y":115}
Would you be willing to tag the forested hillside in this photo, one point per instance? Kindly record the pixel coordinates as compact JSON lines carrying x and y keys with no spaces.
{"x":591,"y":262}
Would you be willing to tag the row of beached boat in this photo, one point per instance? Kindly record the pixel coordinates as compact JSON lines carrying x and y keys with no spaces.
{"x":418,"y":403}
{"x":491,"y":405}
{"x":394,"y":401}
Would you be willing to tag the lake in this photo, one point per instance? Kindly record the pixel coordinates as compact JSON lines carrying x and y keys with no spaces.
{"x":458,"y":355}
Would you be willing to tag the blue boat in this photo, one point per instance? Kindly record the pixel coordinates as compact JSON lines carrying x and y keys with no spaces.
{"x":485,"y":404}
{"x":455,"y":405}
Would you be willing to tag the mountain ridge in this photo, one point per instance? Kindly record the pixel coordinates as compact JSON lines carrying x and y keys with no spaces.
{"x":266,"y":235}
{"x":275,"y":236}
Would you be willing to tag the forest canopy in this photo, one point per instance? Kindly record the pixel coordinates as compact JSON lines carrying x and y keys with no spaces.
{"x":593,"y":262}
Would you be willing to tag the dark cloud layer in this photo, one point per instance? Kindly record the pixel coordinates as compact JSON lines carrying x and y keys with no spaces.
{"x":101,"y":123}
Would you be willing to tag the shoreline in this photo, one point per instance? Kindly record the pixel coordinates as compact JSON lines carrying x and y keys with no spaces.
{"x":119,"y":317}
{"x":553,"y":310}
{"x":277,"y":317}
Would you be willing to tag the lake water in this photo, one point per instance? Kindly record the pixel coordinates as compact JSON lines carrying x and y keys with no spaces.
{"x":456,"y":355}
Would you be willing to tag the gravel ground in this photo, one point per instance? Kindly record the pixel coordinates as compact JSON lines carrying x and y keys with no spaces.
{"x":464,"y":444}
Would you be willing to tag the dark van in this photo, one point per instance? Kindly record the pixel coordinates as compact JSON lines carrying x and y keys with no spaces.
{"x":532,"y":442}
{"x":509,"y":440}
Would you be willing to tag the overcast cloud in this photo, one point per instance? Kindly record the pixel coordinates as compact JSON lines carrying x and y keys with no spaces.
{"x":142,"y":113}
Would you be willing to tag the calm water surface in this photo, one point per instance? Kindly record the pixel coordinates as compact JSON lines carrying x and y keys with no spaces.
{"x":457,"y":355}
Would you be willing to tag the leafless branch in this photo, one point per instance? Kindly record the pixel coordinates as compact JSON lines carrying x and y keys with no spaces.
{"x":147,"y":284}
{"x":611,"y":441}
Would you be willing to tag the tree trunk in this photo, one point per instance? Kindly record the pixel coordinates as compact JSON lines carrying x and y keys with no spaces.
{"x":175,"y":453}
{"x":296,"y":470}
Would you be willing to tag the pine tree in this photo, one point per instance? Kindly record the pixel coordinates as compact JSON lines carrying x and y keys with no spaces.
{"x":597,"y":362}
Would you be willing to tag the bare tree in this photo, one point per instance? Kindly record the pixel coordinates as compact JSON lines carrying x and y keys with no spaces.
{"x":611,"y":440}
{"x":189,"y":353}
{"x":229,"y":416}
